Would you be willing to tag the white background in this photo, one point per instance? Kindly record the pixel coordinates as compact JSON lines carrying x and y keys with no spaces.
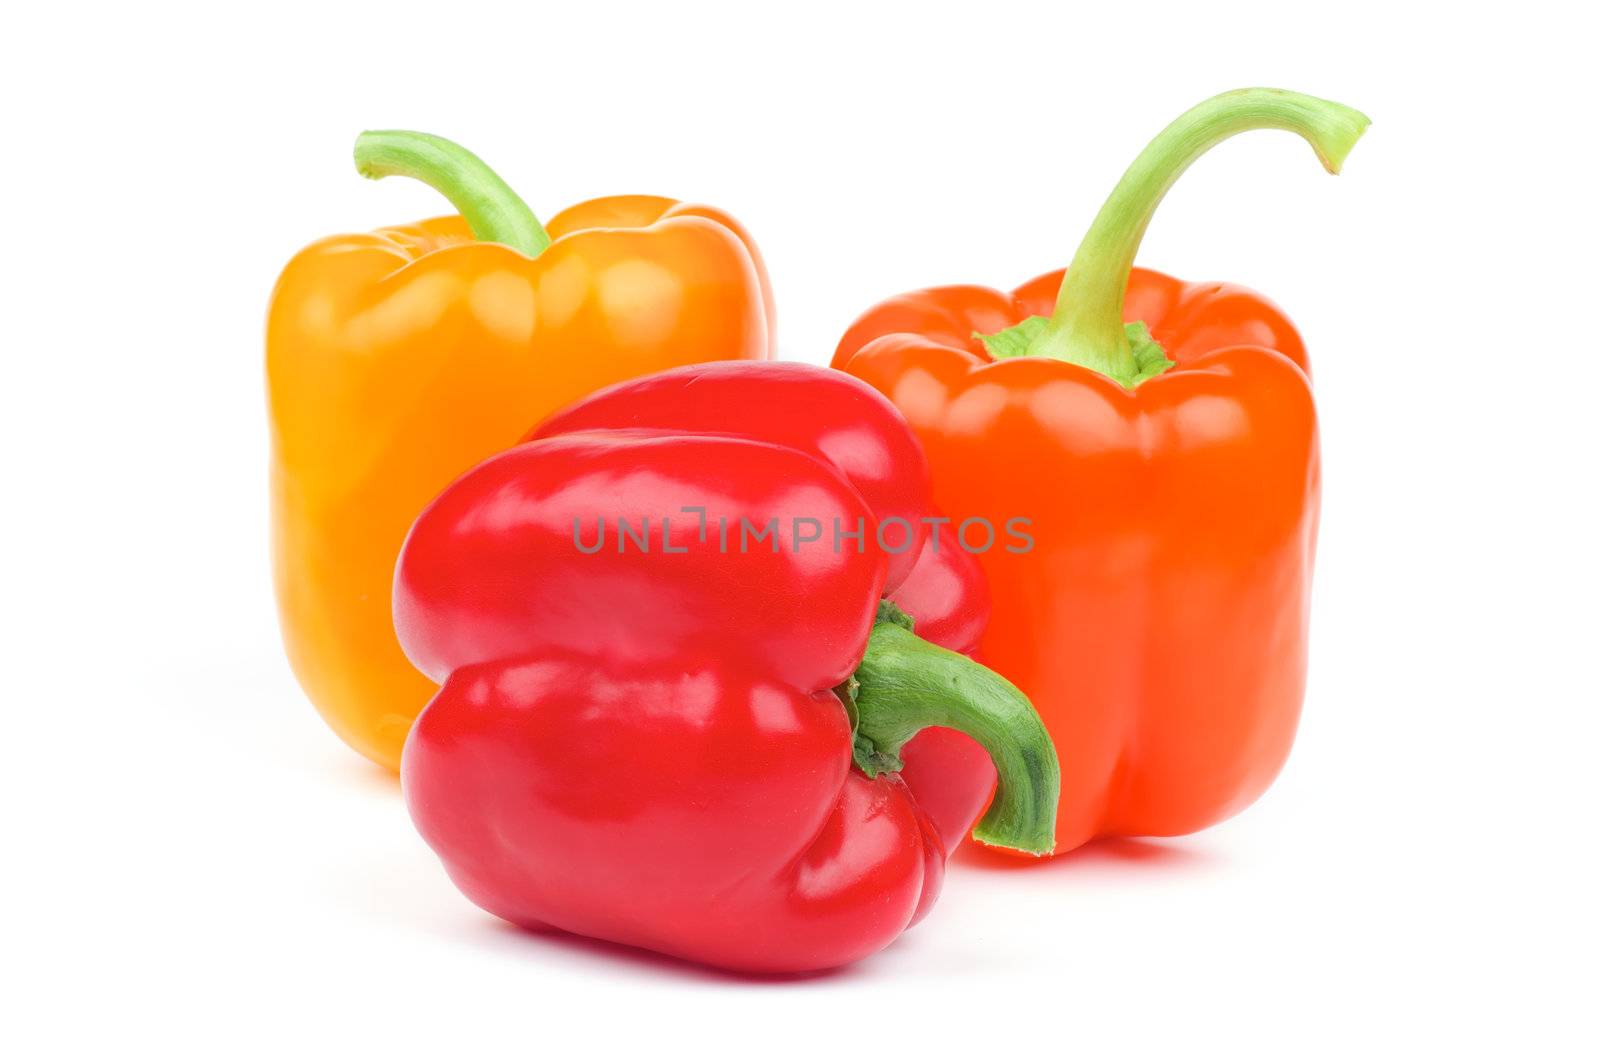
{"x":193,"y":861}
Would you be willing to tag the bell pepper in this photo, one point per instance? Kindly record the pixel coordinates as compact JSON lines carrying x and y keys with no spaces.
{"x":930,"y":575}
{"x":398,"y":359}
{"x":673,"y":697}
{"x":1162,"y":438}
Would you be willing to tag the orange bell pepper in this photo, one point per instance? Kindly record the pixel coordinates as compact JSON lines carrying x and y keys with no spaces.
{"x":398,"y":359}
{"x":1162,"y":439}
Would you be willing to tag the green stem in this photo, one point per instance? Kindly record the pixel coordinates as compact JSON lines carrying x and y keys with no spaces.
{"x":1086,"y":327}
{"x":491,"y":208}
{"x":907,"y":684}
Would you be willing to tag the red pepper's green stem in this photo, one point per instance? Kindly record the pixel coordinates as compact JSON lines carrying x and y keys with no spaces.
{"x":1086,"y":327}
{"x":907,"y":684}
{"x":491,"y":208}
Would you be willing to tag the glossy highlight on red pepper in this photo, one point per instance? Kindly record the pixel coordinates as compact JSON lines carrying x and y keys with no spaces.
{"x":663,"y":738}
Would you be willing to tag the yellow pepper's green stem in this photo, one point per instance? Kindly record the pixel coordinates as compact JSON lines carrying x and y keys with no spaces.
{"x":491,"y":208}
{"x":1086,"y":327}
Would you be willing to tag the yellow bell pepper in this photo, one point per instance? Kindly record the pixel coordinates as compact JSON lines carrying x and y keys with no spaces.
{"x":398,"y":359}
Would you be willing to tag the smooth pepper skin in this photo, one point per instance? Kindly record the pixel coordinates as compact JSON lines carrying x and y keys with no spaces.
{"x":398,"y":359}
{"x":931,"y":577}
{"x":1159,"y":623}
{"x":647,"y":746}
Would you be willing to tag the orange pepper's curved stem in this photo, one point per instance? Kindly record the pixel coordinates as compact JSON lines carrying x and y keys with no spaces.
{"x":1086,"y":327}
{"x":493,"y":211}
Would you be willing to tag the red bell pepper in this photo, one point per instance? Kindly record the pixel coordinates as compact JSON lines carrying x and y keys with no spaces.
{"x":673,"y":698}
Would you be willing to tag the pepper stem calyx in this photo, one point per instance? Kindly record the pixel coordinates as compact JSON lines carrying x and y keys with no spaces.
{"x":492,"y":210}
{"x":905,"y":684}
{"x":1087,"y":327}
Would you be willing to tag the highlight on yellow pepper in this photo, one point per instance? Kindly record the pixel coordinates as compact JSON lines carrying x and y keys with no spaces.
{"x":398,"y":359}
